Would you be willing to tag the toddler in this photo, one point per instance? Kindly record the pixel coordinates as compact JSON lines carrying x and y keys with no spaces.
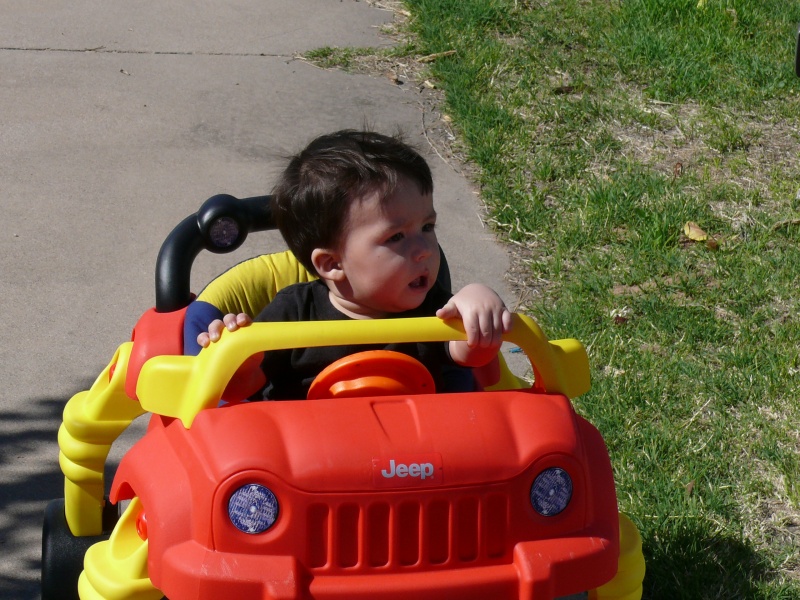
{"x":356,"y":208}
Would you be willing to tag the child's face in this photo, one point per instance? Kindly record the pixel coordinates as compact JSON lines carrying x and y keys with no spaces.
{"x":389,"y":254}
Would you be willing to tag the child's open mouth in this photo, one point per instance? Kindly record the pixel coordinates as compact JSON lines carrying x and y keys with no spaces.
{"x":419,"y":282}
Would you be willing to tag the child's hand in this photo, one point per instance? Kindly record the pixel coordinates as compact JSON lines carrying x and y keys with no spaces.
{"x":230,"y":321}
{"x":485,"y":318}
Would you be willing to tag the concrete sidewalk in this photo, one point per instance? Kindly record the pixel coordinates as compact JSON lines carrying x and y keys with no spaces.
{"x":119,"y":119}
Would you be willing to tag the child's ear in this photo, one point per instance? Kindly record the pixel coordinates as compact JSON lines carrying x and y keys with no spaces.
{"x":328,"y":264}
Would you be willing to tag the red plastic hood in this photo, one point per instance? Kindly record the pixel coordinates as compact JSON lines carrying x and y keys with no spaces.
{"x":367,"y":443}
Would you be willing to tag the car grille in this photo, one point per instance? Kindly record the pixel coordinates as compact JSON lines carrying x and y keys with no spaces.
{"x":408,"y":533}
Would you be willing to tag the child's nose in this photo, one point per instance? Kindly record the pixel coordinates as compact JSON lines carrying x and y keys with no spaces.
{"x":423,"y":248}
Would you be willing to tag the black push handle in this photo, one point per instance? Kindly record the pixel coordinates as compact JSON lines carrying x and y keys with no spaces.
{"x":220,"y":226}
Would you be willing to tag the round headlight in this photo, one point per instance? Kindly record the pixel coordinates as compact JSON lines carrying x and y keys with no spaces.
{"x":551,"y":491}
{"x":253,"y":508}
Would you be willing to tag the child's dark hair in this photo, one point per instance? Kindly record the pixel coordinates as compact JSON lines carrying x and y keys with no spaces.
{"x":311,"y":201}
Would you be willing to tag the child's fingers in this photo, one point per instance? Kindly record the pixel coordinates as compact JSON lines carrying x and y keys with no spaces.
{"x":230,"y":322}
{"x":214,"y":330}
{"x":506,"y":319}
{"x":203,"y":340}
{"x":484,"y":315}
{"x":495,"y":334}
{"x":244,"y":320}
{"x":485,"y":329}
{"x":448,"y":311}
{"x":479,"y":329}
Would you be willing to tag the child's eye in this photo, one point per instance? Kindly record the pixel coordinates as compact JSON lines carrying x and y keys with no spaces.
{"x":396,"y":237}
{"x":428,"y":227}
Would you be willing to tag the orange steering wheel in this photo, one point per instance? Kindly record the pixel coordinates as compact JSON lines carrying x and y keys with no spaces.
{"x":372,"y":373}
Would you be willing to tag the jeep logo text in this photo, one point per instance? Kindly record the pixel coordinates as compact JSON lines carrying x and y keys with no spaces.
{"x":408,"y":471}
{"x":422,"y":471}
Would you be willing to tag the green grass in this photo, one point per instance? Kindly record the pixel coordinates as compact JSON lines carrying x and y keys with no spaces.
{"x":599,"y":129}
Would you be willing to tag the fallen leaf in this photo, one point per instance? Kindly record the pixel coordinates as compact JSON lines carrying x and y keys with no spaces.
{"x":621,"y":315}
{"x":694,"y":232}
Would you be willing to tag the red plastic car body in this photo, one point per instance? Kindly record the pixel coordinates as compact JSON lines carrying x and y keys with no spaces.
{"x":425,"y":497}
{"x":502,"y":494}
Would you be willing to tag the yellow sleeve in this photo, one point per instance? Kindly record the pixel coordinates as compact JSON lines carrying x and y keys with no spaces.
{"x":251,"y":285}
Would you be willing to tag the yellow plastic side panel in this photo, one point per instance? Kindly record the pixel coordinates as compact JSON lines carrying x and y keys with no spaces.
{"x":572,"y":364}
{"x":627,"y":583}
{"x":560,"y":365}
{"x":93,"y":419}
{"x":508,"y":380}
{"x":116,"y":569}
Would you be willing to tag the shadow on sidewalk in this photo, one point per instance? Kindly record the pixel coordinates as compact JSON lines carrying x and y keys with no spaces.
{"x":31,"y":477}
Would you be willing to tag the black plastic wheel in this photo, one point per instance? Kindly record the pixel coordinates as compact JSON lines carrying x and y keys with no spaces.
{"x":62,"y":552}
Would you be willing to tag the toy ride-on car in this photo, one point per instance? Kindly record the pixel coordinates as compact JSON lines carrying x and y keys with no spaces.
{"x":373,"y":487}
